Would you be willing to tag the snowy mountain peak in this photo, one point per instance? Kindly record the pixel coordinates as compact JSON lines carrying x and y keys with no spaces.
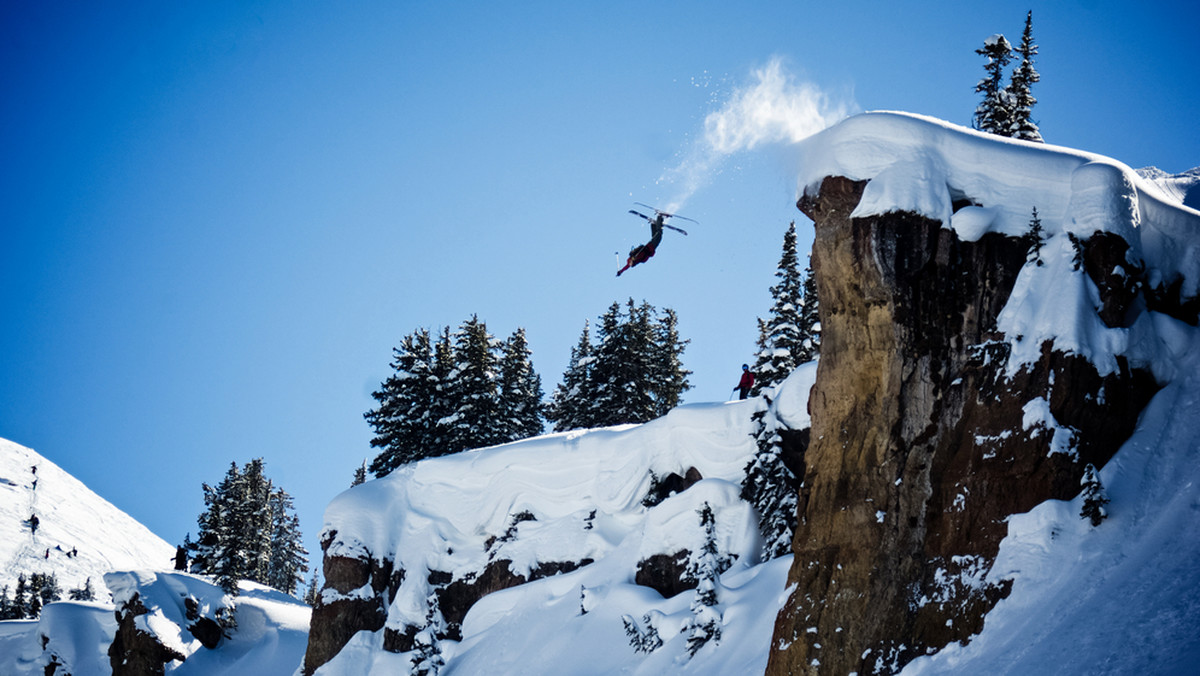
{"x":50,"y":522}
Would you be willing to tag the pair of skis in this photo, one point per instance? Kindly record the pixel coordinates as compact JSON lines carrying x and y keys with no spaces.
{"x":663,"y":215}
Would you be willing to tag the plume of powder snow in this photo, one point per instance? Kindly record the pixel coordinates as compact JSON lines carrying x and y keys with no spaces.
{"x":774,"y":108}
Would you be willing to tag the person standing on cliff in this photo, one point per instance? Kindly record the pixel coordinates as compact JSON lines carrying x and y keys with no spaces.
{"x":747,"y":382}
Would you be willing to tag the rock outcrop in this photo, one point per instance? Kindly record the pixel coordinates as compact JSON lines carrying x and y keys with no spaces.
{"x":354,"y":599}
{"x":134,"y":651}
{"x":921,"y":442}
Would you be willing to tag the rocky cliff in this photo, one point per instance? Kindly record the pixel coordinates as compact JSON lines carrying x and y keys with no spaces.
{"x":924,"y":438}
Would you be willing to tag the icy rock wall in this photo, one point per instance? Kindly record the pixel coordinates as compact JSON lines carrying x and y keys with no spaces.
{"x":921,"y":443}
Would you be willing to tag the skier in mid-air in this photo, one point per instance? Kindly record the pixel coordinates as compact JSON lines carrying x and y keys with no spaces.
{"x":643,"y":252}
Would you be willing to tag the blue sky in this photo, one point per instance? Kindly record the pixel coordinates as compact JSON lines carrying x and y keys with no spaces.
{"x":217,"y":219}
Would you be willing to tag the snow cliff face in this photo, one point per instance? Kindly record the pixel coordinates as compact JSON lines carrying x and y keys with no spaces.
{"x":970,"y":370}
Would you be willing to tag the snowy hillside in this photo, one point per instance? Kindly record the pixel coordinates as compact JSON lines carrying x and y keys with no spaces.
{"x":79,"y":535}
{"x":575,"y":497}
{"x":272,"y":628}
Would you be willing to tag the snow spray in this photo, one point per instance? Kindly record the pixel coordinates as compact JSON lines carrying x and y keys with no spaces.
{"x":773,"y":108}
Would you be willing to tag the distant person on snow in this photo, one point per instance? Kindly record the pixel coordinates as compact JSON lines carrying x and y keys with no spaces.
{"x":747,"y":382}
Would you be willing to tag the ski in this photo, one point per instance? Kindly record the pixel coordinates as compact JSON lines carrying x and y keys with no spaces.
{"x":651,"y":220}
{"x":658,"y":211}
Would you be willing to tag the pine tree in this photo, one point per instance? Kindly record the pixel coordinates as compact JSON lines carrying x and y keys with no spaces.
{"x":20,"y":602}
{"x":995,"y":113}
{"x":472,"y":389}
{"x":770,"y":486}
{"x":313,"y":594}
{"x":632,"y":375}
{"x":252,"y":513}
{"x":1022,"y":125}
{"x":212,"y":550}
{"x":643,"y":640}
{"x":48,"y":589}
{"x":705,"y":623}
{"x":410,"y":406}
{"x":427,"y":657}
{"x":520,"y":391}
{"x":1094,"y":498}
{"x":1036,"y":238}
{"x":623,"y":367}
{"x":247,"y":532}
{"x":810,"y":319}
{"x":669,"y":379}
{"x":360,"y":475}
{"x":781,"y":343}
{"x":6,"y":605}
{"x":288,"y":558}
{"x":569,"y":403}
{"x":84,"y":593}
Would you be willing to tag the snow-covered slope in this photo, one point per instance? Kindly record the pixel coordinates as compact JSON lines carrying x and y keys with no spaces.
{"x":269,"y":640}
{"x":79,"y":534}
{"x":584,"y":491}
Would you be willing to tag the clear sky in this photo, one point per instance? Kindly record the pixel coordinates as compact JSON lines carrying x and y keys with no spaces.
{"x":218,"y":218}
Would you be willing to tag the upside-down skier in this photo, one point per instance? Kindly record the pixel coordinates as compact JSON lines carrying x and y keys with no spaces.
{"x":643,"y":252}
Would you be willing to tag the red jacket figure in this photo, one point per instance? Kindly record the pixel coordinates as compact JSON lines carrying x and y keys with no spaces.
{"x":745,"y":383}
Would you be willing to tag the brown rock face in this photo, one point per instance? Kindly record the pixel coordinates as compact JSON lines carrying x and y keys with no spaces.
{"x":134,"y":652}
{"x":918,"y":449}
{"x":333,"y":623}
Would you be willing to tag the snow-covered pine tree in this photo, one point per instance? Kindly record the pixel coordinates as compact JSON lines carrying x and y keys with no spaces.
{"x":568,"y":405}
{"x":288,"y":557}
{"x":779,"y":338}
{"x":7,"y":608}
{"x":20,"y":602}
{"x":643,"y":640}
{"x":622,"y":371}
{"x":236,"y":539}
{"x":1023,"y":78}
{"x":995,"y":112}
{"x":213,"y":550}
{"x":312,"y":593}
{"x":442,"y":404}
{"x":360,"y":475}
{"x":1094,"y":498}
{"x":810,"y":319}
{"x":427,"y":657}
{"x":670,"y":379}
{"x":252,"y":515}
{"x":405,"y":422}
{"x":85,"y":593}
{"x":472,"y":389}
{"x":605,"y":387}
{"x":770,"y":486}
{"x":705,"y":622}
{"x":520,"y":390}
